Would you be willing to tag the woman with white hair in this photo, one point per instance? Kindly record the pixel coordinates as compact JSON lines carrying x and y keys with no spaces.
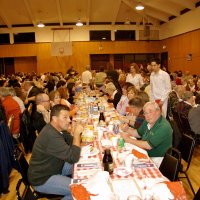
{"x":113,"y":93}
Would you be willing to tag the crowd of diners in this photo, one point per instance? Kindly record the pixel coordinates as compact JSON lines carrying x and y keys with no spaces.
{"x":147,"y":99}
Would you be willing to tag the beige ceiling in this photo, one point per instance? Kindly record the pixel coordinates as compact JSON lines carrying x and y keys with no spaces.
{"x":65,"y":12}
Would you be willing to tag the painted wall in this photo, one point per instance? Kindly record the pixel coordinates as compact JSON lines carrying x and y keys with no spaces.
{"x":179,"y":47}
{"x":182,"y":24}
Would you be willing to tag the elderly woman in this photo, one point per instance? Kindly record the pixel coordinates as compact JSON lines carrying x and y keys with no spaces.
{"x":114,"y":94}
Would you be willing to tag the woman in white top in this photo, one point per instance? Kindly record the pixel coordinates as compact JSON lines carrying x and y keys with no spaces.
{"x":134,"y":77}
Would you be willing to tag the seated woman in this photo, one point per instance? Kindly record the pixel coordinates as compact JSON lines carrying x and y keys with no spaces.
{"x":55,"y":98}
{"x":123,"y":102}
{"x":71,"y":92}
{"x":64,"y":96}
{"x":114,"y":94}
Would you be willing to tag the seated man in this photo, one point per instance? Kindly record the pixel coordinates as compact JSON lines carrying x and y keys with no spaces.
{"x":174,"y":98}
{"x":31,"y":91}
{"x":41,"y":116}
{"x":194,"y":115}
{"x":53,"y":154}
{"x":135,"y":109}
{"x":155,"y":132}
{"x":183,"y":108}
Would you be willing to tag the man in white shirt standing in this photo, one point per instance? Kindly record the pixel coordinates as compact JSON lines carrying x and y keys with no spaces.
{"x":160,"y":85}
{"x":87,"y":76}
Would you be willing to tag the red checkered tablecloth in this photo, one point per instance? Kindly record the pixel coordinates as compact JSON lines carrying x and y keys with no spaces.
{"x":148,"y":170}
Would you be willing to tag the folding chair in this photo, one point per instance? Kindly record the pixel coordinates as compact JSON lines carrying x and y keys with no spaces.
{"x":197,"y":195}
{"x":186,"y":147}
{"x":170,"y":164}
{"x":22,"y":166}
{"x":27,"y":193}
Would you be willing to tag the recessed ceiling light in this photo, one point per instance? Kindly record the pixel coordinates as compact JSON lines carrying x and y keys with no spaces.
{"x":40,"y":25}
{"x":79,"y":23}
{"x":139,"y":7}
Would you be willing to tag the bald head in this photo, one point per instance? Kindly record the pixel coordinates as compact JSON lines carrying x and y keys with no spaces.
{"x":43,"y":99}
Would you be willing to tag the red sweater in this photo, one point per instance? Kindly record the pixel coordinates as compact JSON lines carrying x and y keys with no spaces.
{"x":12,"y":107}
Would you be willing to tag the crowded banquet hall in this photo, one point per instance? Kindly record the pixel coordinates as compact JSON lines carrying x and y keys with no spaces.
{"x":99,"y":99}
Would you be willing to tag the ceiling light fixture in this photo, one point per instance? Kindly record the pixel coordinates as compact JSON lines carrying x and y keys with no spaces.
{"x":139,"y":7}
{"x":40,"y":25}
{"x":79,"y":23}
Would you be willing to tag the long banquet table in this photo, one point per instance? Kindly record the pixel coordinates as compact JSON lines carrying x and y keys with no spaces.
{"x":144,"y":179}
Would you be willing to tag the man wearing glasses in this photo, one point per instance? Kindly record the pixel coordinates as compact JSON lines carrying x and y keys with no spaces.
{"x":42,"y":115}
{"x":155,"y":133}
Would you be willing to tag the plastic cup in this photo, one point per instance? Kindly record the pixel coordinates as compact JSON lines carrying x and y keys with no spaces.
{"x":100,"y":134}
{"x":115,"y":141}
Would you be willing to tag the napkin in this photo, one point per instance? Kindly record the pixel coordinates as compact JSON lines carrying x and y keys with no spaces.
{"x":98,"y":184}
{"x":105,"y":143}
{"x":125,"y":188}
{"x":161,"y":191}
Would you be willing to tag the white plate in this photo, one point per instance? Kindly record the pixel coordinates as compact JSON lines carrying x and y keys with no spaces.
{"x":106,"y":143}
{"x":123,"y":171}
{"x":93,"y":152}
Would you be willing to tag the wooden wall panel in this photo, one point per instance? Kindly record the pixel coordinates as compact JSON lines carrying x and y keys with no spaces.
{"x":18,"y":50}
{"x":82,"y":51}
{"x":179,"y":47}
{"x":25,"y":64}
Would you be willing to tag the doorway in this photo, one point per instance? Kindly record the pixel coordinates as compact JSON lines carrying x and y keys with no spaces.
{"x":164,"y":60}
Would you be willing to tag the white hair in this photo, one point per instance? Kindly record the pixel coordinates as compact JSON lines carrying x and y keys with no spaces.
{"x":152,"y":104}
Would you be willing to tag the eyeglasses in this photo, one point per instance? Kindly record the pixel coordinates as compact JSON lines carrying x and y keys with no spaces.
{"x":46,"y":101}
{"x":147,"y":113}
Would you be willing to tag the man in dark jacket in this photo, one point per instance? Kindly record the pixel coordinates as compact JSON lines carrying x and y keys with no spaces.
{"x":31,"y":91}
{"x":41,"y":116}
{"x":54,"y":152}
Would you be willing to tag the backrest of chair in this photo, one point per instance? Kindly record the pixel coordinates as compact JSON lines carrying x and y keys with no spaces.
{"x":170,"y":166}
{"x":177,"y":134}
{"x":30,"y":109}
{"x":197,"y":195}
{"x":10,"y":122}
{"x":186,"y":147}
{"x":22,"y":167}
{"x":27,"y":193}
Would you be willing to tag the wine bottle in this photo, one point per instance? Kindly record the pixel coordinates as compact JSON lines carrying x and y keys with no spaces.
{"x":101,"y":117}
{"x":108,"y":161}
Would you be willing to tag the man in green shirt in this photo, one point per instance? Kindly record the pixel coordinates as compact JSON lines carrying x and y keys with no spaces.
{"x":155,"y":132}
{"x":54,"y":153}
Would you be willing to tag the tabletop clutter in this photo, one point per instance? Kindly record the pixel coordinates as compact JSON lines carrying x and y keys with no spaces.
{"x":110,"y":169}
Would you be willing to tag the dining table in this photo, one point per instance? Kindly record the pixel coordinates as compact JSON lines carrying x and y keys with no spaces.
{"x":134,"y":176}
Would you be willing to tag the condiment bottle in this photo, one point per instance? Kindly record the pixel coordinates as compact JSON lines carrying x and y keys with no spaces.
{"x":101,"y":117}
{"x":108,"y":161}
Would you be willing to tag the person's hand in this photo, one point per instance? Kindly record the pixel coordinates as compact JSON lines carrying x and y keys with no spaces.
{"x":78,"y":129}
{"x":125,"y":127}
{"x":125,"y":136}
{"x":26,"y":101}
{"x":40,"y":108}
{"x":160,"y":103}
